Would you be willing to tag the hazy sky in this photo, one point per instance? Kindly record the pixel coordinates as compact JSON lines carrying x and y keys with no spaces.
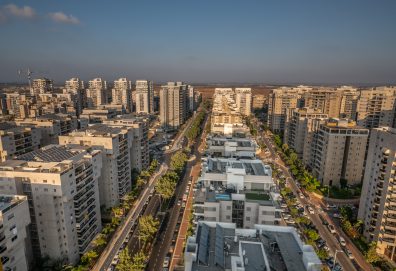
{"x":201,"y":41}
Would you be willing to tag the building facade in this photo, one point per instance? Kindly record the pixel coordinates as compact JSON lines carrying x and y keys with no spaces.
{"x":144,"y":96}
{"x":173,"y":105}
{"x":121,"y":94}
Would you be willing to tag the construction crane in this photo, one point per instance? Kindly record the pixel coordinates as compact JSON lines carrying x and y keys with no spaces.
{"x":29,"y":73}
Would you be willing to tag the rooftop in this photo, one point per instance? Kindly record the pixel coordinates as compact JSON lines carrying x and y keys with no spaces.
{"x":222,"y":246}
{"x":50,"y":153}
{"x":250,"y":166}
{"x":100,"y":130}
{"x":9,"y":201}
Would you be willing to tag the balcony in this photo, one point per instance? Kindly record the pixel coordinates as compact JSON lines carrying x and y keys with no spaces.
{"x":4,"y":259}
{"x":2,"y":249}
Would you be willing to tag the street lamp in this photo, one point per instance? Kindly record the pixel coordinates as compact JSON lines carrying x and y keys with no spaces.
{"x":335,"y":258}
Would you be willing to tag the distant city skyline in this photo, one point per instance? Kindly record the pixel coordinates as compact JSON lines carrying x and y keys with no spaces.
{"x":307,"y":42}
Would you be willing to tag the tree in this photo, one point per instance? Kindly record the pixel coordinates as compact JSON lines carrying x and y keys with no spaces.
{"x":322,"y":254}
{"x":139,"y":261}
{"x":343,"y":183}
{"x":125,"y":261}
{"x":165,"y":187}
{"x":89,"y":257}
{"x":100,"y":240}
{"x":148,"y":226}
{"x":371,"y":255}
{"x":312,"y":234}
{"x":303,"y":220}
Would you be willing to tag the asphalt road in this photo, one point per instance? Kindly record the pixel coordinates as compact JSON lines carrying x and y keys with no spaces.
{"x":325,"y":234}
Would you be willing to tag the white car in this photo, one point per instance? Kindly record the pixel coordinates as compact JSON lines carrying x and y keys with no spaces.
{"x":342,"y":241}
{"x":301,"y":195}
{"x":311,"y":210}
{"x":166,"y":262}
{"x":331,"y":228}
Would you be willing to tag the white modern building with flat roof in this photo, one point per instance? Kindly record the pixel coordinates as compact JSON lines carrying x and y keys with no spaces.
{"x":223,"y":246}
{"x":221,"y":146}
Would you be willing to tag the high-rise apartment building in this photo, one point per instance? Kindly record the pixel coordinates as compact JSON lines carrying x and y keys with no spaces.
{"x":327,"y":100}
{"x":16,"y":140}
{"x":349,"y":101}
{"x":338,"y":152}
{"x":258,"y":101}
{"x":243,"y":100}
{"x":61,"y":184}
{"x":279,"y":102}
{"x":144,"y":96}
{"x":173,"y":104}
{"x":41,"y":86}
{"x":96,"y":92}
{"x":191,"y":99}
{"x":115,"y":143}
{"x":376,"y":107}
{"x":75,"y":87}
{"x":301,"y":123}
{"x":14,"y":221}
{"x":122,"y":94}
{"x":140,"y":156}
{"x":377,"y":208}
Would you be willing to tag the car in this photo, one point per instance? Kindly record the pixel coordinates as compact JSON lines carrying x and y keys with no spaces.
{"x":330,"y":262}
{"x":331,"y":228}
{"x":336,"y":215}
{"x":179,"y":202}
{"x":349,"y":254}
{"x":290,"y":221}
{"x":311,"y":210}
{"x":342,"y":241}
{"x":331,"y":206}
{"x":165,"y":264}
{"x":301,"y":195}
{"x":324,"y":221}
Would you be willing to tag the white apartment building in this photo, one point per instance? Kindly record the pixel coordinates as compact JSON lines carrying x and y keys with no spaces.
{"x":220,"y":146}
{"x":140,"y":155}
{"x":338,"y":152}
{"x":96,"y":92}
{"x":173,"y":105}
{"x":301,"y":124}
{"x":101,"y":113}
{"x":243,"y":100}
{"x":115,"y":144}
{"x":122,"y":94}
{"x":192,"y":105}
{"x":349,"y":101}
{"x":41,"y":86}
{"x":377,"y":208}
{"x":144,"y":96}
{"x":16,"y":140}
{"x":61,"y":183}
{"x":14,"y":220}
{"x":51,"y":126}
{"x":376,"y":107}
{"x":225,"y":246}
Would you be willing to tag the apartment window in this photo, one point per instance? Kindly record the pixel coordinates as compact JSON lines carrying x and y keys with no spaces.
{"x":11,"y":216}
{"x":44,"y":181}
{"x":228,"y":207}
{"x":228,"y":217}
{"x":248,"y":209}
{"x":247,"y":218}
{"x":45,"y":189}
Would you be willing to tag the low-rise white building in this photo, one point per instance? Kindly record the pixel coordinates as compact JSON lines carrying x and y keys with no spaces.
{"x":224,"y":246}
{"x":220,"y":146}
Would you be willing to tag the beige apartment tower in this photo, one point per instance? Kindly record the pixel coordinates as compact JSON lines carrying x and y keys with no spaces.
{"x":173,"y":104}
{"x":14,"y":221}
{"x":377,"y":206}
{"x":41,"y":86}
{"x":121,"y":94}
{"x":338,"y":152}
{"x":301,"y":124}
{"x":144,"y":96}
{"x":96,"y":92}
{"x":61,"y":183}
{"x":243,"y":100}
{"x":115,"y":143}
{"x":376,"y":107}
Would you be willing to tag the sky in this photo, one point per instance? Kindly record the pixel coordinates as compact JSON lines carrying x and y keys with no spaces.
{"x":205,"y":41}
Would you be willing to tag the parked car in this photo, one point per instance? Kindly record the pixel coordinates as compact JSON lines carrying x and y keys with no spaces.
{"x":324,"y":221}
{"x":311,"y":210}
{"x":166,"y":262}
{"x":349,"y":254}
{"x":331,"y":228}
{"x":336,"y":215}
{"x":301,"y":195}
{"x":342,"y":241}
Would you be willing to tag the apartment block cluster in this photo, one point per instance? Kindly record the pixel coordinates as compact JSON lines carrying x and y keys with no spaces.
{"x":329,"y":127}
{"x":236,"y":202}
{"x":60,"y":168}
{"x":230,"y":106}
{"x":346,"y":134}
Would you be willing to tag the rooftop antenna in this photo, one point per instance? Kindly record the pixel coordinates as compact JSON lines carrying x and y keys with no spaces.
{"x":28,"y":73}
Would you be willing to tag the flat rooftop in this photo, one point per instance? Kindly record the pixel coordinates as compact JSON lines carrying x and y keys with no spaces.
{"x":221,"y":141}
{"x":251,"y":167}
{"x":264,"y":248}
{"x":101,"y":130}
{"x":9,"y":201}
